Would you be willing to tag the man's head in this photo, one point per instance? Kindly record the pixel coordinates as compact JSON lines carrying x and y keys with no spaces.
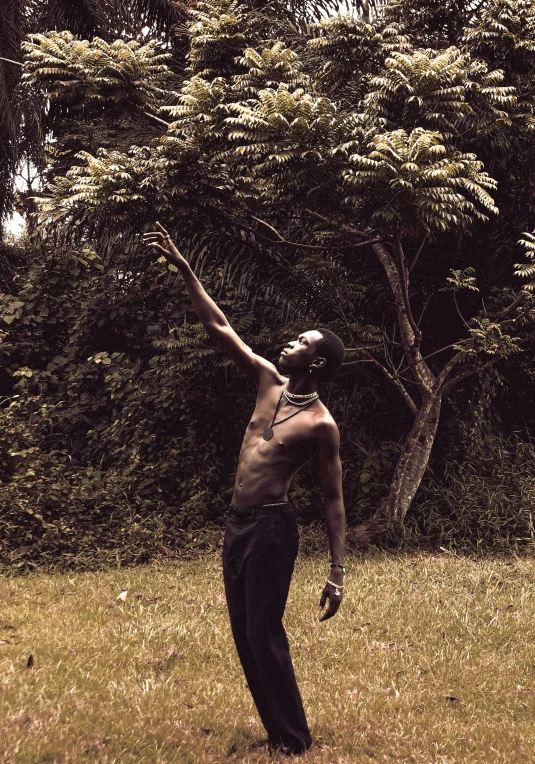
{"x":317,"y":351}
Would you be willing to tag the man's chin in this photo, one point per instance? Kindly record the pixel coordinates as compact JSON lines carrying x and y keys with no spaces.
{"x":281,"y":363}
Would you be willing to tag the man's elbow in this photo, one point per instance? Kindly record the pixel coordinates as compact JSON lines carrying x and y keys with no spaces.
{"x":215,"y":327}
{"x":333,"y":497}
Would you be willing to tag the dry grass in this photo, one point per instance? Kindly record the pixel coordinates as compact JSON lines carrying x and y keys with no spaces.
{"x":430,"y":659}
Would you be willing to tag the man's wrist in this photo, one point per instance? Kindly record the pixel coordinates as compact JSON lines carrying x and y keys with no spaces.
{"x":338,"y":566}
{"x":178,"y":260}
{"x":336,"y":575}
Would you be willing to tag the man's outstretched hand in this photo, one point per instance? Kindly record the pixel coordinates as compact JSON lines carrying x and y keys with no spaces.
{"x":329,"y":593}
{"x":161,"y":240}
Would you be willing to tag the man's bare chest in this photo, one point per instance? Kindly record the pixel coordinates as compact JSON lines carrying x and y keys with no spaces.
{"x":289,"y":427}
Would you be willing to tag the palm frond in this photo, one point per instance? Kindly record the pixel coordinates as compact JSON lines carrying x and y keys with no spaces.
{"x":108,"y":19}
{"x":12,"y":29}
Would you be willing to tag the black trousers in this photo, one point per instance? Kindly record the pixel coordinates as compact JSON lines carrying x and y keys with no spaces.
{"x":259,"y":551}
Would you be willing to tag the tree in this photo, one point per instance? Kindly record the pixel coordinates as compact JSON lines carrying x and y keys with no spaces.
{"x":341,"y":172}
{"x":393,"y":171}
{"x":22,"y":115}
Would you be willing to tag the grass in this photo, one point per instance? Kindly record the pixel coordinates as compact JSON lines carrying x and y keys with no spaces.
{"x":430,"y":659}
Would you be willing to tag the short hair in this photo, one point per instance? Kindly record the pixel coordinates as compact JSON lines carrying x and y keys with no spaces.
{"x":330,"y":347}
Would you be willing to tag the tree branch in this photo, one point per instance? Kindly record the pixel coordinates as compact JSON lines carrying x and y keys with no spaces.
{"x":422,"y":374}
{"x":450,"y":365}
{"x":441,"y":379}
{"x":418,"y":251}
{"x":391,"y":378}
{"x":335,"y":223}
{"x":458,"y":310}
{"x":463,"y":375}
{"x":360,"y":360}
{"x":153,"y":116}
{"x":281,"y":240}
{"x":517,"y":301}
{"x":404,"y":281}
{"x":376,"y":345}
{"x":10,"y":61}
{"x":399,"y":386}
{"x":263,"y":239}
{"x":424,"y":309}
{"x":446,"y":347}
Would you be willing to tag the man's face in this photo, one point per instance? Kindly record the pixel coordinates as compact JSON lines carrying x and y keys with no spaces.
{"x":298,"y":355}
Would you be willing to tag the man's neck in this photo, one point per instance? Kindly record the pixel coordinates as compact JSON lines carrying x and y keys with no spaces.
{"x":302,"y":385}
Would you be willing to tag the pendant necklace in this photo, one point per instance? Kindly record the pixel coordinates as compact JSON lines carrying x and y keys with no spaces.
{"x":268,"y":432}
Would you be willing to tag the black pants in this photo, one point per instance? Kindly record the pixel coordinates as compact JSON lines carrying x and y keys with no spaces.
{"x":259,"y":552}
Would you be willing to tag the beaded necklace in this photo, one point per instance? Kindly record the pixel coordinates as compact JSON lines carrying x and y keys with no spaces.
{"x":312,"y":398}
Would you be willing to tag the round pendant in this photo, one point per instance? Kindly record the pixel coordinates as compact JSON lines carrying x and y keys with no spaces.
{"x":268,"y":433}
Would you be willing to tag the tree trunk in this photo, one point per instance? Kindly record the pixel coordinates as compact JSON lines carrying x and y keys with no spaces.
{"x":408,"y":475}
{"x":414,"y":457}
{"x":413,"y":461}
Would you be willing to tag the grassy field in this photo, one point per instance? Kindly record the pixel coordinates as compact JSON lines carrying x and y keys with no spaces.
{"x":430,"y":659}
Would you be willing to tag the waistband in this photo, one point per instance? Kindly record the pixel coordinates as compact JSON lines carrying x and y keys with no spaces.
{"x":269,"y":508}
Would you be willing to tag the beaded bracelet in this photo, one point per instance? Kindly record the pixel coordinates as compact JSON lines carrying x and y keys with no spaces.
{"x":336,"y":586}
{"x":338,"y":565}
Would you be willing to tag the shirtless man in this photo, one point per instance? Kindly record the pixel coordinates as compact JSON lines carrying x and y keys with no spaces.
{"x":288,"y":427}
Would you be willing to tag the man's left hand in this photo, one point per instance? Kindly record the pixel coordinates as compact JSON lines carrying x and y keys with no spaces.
{"x":329,"y":593}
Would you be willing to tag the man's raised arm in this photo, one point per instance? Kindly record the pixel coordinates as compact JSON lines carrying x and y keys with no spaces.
{"x":210,"y":316}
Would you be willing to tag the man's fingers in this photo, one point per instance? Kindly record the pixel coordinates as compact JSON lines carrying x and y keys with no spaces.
{"x":153,"y":236}
{"x":162,"y":229}
{"x":155,"y":245}
{"x":331,"y":610}
{"x":334,"y":602}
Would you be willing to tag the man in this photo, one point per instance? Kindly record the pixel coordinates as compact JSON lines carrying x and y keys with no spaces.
{"x":288,"y":427}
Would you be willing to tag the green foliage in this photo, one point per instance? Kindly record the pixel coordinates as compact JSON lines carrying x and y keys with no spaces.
{"x":348,"y":51}
{"x":485,"y":501}
{"x":103,"y":95}
{"x":461,"y":279}
{"x":219,"y":35}
{"x":504,"y":32}
{"x":488,"y":337}
{"x":266,"y":68}
{"x":11,"y":24}
{"x":81,"y":74}
{"x":421,"y":184}
{"x":435,"y":23}
{"x":92,"y":467}
{"x":444,"y":91}
{"x":22,"y":113}
{"x":280,"y":154}
{"x":527,"y":270}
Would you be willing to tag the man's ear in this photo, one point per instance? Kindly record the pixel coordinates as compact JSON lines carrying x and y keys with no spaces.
{"x":318,"y":363}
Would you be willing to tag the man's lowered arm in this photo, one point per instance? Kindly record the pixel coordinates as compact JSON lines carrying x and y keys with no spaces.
{"x":328,"y":454}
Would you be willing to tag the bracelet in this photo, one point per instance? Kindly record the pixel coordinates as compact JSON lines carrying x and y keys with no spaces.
{"x":336,"y":586}
{"x":338,"y":565}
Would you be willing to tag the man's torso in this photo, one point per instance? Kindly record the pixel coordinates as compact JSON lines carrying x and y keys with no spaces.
{"x":266,"y":467}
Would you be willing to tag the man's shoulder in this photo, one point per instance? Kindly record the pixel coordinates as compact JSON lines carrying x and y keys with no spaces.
{"x":269,"y":375}
{"x":267,"y":365}
{"x":324,"y":424}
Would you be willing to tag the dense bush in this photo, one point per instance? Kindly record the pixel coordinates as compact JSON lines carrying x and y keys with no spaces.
{"x":342,"y":173}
